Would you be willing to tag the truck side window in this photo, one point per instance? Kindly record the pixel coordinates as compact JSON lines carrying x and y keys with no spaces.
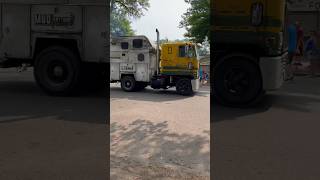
{"x":169,"y":50}
{"x":124,"y":45}
{"x":257,"y":14}
{"x":182,"y":51}
{"x":137,"y":43}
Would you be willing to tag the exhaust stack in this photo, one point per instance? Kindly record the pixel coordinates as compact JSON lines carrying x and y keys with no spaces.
{"x":158,"y":51}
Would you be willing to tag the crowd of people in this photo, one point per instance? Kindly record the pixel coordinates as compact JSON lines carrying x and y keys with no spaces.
{"x":301,"y":47}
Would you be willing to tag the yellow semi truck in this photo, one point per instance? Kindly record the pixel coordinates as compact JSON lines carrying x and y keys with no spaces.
{"x":248,"y":49}
{"x":136,"y":63}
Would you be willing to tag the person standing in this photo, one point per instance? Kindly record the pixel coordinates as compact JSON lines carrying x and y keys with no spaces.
{"x":300,"y":43}
{"x":200,"y":74}
{"x":313,"y":52}
{"x":292,"y":49}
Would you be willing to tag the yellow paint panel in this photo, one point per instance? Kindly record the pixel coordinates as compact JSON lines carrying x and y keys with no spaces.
{"x":170,"y":58}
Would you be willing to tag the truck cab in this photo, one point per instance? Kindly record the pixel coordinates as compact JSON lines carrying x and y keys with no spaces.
{"x":248,"y":49}
{"x":179,"y":58}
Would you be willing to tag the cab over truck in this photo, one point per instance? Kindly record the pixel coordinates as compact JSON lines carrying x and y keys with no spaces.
{"x":247,"y":49}
{"x":136,"y":63}
{"x":66,"y":41}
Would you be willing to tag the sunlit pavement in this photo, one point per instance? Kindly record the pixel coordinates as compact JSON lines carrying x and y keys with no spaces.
{"x":156,"y":131}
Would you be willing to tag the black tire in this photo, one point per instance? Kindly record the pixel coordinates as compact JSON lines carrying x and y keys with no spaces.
{"x":184,"y":87}
{"x":128,"y":83}
{"x":57,"y":71}
{"x":237,"y":82}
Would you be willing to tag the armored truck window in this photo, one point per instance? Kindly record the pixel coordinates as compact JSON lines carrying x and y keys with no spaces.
{"x":182,"y":51}
{"x":137,"y":43}
{"x":124,"y":45}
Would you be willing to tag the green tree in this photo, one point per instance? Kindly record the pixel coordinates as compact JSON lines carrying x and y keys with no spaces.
{"x":131,"y":8}
{"x":122,"y":11}
{"x":197,"y":20}
{"x":120,"y":25}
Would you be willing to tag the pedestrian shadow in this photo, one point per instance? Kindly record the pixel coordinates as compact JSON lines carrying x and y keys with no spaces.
{"x":22,"y":99}
{"x":151,"y":143}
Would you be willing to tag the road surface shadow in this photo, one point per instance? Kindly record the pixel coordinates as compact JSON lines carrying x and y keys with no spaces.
{"x":153,"y":95}
{"x":151,"y":143}
{"x":21,"y":100}
{"x":302,"y":95}
{"x":221,"y":113}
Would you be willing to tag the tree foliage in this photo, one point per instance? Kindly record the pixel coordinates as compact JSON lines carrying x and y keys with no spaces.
{"x":120,"y":25}
{"x":122,"y":11}
{"x":197,"y":20}
{"x":131,"y":8}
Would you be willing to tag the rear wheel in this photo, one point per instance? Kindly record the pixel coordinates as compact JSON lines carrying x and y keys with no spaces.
{"x":237,"y":82}
{"x":57,"y":70}
{"x":184,"y":87}
{"x":128,"y":83}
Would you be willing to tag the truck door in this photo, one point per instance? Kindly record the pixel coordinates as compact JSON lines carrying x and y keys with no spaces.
{"x":183,"y":60}
{"x":139,"y":56}
{"x":124,"y":56}
{"x":15,"y":31}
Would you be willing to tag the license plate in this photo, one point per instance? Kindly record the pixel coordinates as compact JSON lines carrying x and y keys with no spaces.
{"x":127,"y":67}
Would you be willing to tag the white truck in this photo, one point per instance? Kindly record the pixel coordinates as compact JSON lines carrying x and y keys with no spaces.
{"x":136,"y":63}
{"x":66,"y":41}
{"x":128,"y":57}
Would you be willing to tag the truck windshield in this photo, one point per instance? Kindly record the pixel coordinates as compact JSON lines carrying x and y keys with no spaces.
{"x":188,"y":51}
{"x":191,"y":51}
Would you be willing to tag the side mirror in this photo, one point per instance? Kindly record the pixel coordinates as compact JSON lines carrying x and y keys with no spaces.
{"x":257,"y":14}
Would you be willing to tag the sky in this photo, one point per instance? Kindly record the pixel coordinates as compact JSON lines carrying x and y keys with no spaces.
{"x":164,"y":15}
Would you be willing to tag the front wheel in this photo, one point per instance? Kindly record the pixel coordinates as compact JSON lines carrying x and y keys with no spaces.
{"x":184,"y":87}
{"x":128,"y":83}
{"x":57,"y":71}
{"x":237,"y":82}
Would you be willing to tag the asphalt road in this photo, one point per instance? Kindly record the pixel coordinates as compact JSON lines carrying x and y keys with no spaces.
{"x":278,"y":139}
{"x":158,"y":134}
{"x":44,"y":137}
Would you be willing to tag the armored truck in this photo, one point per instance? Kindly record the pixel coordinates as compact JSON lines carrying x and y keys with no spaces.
{"x":65,"y":41}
